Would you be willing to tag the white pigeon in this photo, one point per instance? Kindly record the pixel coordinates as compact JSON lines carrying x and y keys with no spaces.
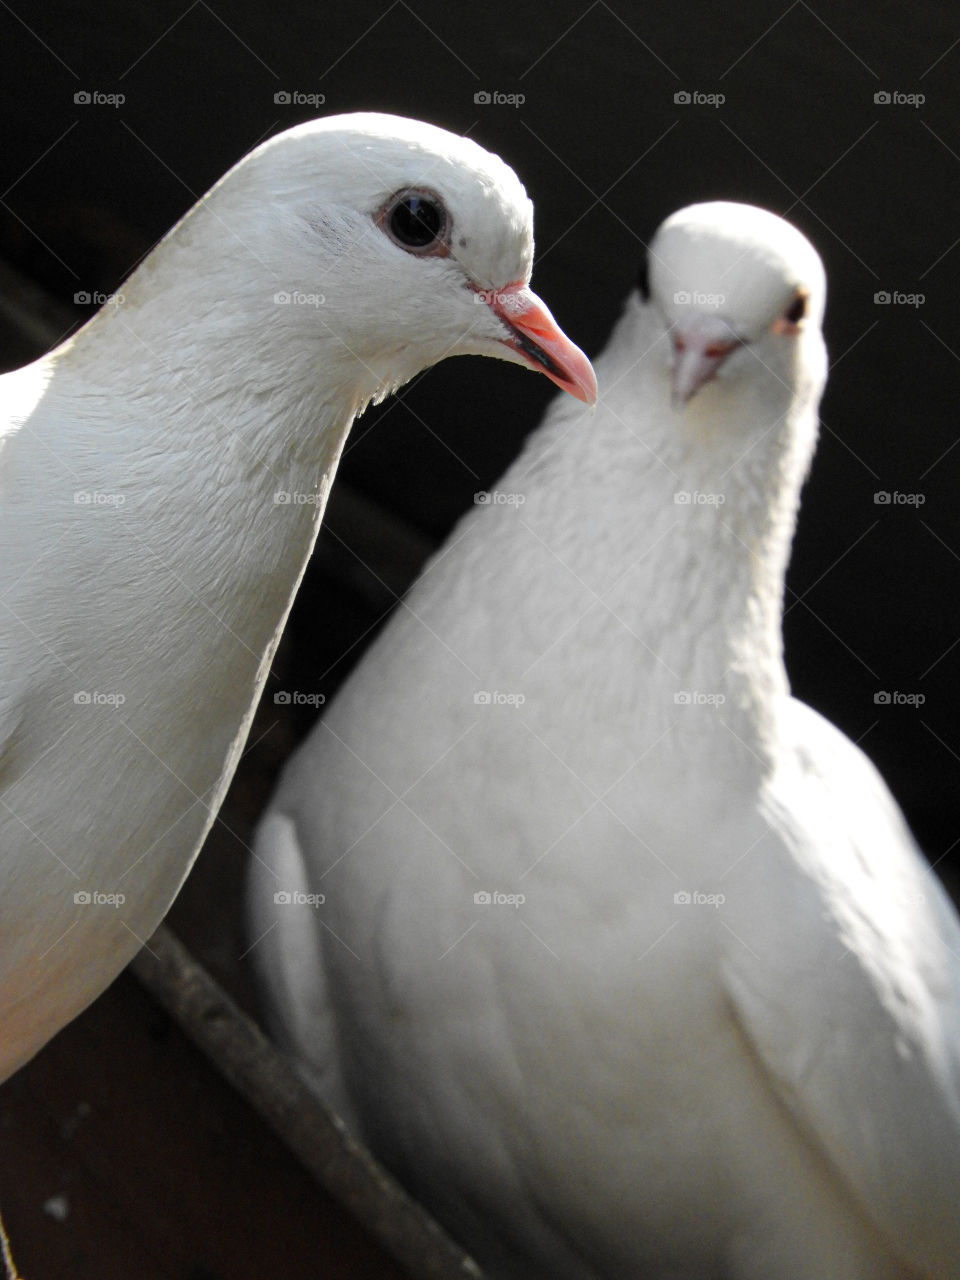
{"x":162,"y":479}
{"x":623,"y":959}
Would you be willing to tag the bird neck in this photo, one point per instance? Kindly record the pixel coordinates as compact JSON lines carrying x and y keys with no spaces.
{"x":173,"y":463}
{"x":222,"y":436}
{"x":217,"y":352}
{"x":677,"y":526}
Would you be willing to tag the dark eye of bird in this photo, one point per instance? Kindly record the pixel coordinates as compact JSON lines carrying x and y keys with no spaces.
{"x":416,"y":221}
{"x":643,"y":279}
{"x":797,"y":309}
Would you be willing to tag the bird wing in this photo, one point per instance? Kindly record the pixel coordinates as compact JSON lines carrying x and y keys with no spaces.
{"x":845,"y":978}
{"x":286,"y":947}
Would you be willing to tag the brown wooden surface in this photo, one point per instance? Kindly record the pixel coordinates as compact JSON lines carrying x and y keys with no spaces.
{"x":164,"y":1170}
{"x":268,"y":1079}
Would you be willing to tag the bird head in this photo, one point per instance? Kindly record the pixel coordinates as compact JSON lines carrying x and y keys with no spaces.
{"x":393,"y":244}
{"x":741,"y":294}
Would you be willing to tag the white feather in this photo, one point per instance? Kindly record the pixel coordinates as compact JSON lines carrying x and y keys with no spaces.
{"x":145,"y":556}
{"x":718,"y":1038}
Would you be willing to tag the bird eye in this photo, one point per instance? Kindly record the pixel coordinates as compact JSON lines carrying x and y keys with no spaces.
{"x":417,"y":221}
{"x":797,"y":309}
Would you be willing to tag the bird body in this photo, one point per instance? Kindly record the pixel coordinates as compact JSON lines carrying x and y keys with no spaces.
{"x":626,"y":961}
{"x":163,"y":475}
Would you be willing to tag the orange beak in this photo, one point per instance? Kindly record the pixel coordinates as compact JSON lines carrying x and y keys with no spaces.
{"x":539,"y":341}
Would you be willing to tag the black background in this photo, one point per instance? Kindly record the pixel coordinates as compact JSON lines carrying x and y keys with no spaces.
{"x":606,"y":152}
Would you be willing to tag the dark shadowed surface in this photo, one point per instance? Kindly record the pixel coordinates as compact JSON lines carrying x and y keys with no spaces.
{"x":606,"y":149}
{"x":125,"y":1156}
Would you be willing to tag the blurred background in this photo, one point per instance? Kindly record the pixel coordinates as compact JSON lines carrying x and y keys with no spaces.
{"x":117,"y":118}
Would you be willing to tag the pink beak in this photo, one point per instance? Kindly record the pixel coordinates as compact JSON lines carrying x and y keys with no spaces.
{"x":700,"y":346}
{"x":540,"y":342}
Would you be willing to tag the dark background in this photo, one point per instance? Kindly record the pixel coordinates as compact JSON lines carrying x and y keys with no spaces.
{"x":165,"y":1173}
{"x":606,"y":153}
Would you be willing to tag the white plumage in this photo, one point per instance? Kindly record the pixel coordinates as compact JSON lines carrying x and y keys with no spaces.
{"x":162,"y":479}
{"x":718,"y":1037}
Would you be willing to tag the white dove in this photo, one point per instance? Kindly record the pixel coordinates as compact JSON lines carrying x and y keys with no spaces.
{"x":623,"y":959}
{"x":162,"y":479}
